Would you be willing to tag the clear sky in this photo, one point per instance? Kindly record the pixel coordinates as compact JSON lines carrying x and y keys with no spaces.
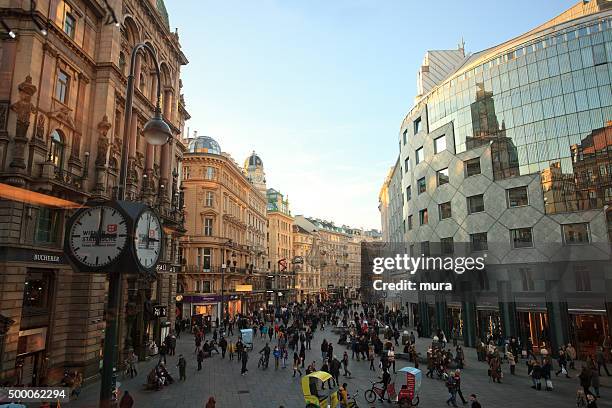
{"x":319,"y":87}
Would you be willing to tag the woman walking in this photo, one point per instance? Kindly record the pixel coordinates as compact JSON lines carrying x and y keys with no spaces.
{"x":345,"y":362}
{"x":296,"y":364}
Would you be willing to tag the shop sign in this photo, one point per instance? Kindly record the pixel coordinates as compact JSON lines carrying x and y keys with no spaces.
{"x":160,"y":311}
{"x":244,"y":288}
{"x":27,"y":255}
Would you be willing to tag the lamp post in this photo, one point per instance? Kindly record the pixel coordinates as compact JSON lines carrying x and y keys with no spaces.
{"x":156,"y":132}
{"x":224,"y":266}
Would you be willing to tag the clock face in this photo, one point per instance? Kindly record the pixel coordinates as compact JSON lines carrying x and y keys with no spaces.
{"x":98,"y":236}
{"x":147,"y":239}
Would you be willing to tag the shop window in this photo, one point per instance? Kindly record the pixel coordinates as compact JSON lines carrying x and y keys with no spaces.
{"x":420,"y":155}
{"x":472,"y":167}
{"x":442,"y":176}
{"x":517,"y":197}
{"x":576,"y":234}
{"x":421,"y":185}
{"x":583,"y":279}
{"x":440,"y":144}
{"x":62,"y":86}
{"x":521,"y":238}
{"x":48,"y":226}
{"x":37,"y":292}
{"x":475,"y":204}
{"x":423,"y":217}
{"x":447,"y":246}
{"x":478,"y":241}
{"x":527,"y":279}
{"x":445,"y":210}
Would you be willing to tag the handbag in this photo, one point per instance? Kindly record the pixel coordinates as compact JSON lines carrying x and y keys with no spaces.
{"x":549,"y":384}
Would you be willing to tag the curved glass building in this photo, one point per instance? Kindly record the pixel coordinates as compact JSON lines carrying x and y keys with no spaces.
{"x":508,"y":152}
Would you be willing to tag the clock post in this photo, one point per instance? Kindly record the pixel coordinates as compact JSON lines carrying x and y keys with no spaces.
{"x":103,"y":241}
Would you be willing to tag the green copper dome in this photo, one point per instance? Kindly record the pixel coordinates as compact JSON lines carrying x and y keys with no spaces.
{"x":161,"y":7}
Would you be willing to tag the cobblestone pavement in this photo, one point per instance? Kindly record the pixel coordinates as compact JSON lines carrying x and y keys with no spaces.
{"x":270,"y":388}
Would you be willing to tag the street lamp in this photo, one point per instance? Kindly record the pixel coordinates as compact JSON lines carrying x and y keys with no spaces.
{"x":156,"y":132}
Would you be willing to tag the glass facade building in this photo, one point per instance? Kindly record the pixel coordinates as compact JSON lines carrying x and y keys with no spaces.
{"x":510,"y":156}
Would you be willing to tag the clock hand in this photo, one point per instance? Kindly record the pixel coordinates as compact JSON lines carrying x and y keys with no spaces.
{"x":99,"y":235}
{"x":149,"y":232}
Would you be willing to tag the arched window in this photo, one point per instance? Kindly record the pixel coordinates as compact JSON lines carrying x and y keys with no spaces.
{"x":57,"y":149}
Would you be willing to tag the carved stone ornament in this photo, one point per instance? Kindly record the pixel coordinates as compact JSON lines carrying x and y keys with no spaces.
{"x":24,"y":108}
{"x":103,"y":127}
{"x":64,"y":115}
{"x":40,"y":127}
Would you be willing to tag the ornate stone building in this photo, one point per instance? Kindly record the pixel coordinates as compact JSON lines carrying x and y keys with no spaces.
{"x":226,"y":235}
{"x":280,"y":244}
{"x":63,"y":72}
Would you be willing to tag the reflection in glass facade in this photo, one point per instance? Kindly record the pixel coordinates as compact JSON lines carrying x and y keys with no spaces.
{"x":544,"y":106}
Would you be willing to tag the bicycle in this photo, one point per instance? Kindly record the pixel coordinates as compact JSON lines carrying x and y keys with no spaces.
{"x":263,"y":362}
{"x":376,"y":391}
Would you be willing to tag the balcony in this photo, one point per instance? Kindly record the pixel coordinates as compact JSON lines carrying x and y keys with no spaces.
{"x":195,"y":269}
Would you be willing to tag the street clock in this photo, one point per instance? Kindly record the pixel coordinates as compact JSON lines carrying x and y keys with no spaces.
{"x":114,"y":236}
{"x":97,"y":236}
{"x":148,"y":239}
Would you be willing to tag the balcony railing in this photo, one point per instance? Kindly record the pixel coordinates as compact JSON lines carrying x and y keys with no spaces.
{"x":193,"y":269}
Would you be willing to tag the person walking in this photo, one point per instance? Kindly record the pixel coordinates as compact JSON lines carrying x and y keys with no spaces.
{"x":231,"y":349}
{"x":511,"y":362}
{"x":585,"y":379}
{"x":451,"y":385}
{"x":182,"y":365}
{"x":303,"y":354}
{"x":601,"y":361}
{"x":276,"y":353}
{"x":132,"y":360}
{"x":200,"y":358}
{"x":562,"y":360}
{"x":334,"y":370}
{"x":371,"y":358}
{"x":244,"y":358}
{"x":474,"y":400}
{"x":211,"y":403}
{"x":223,"y":345}
{"x":458,"y":385}
{"x":126,"y":400}
{"x":345,"y":363}
{"x":391,"y":358}
{"x":296,"y":364}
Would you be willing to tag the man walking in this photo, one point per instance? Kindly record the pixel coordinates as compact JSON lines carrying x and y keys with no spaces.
{"x":200,"y":358}
{"x":223,"y":345}
{"x":475,"y":403}
{"x":244,"y":358}
{"x":182,"y":365}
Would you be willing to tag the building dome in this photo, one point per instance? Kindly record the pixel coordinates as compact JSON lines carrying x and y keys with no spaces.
{"x":253,"y":161}
{"x":204,"y":144}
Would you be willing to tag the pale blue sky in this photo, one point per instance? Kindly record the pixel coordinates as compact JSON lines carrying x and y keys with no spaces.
{"x":319,"y":87}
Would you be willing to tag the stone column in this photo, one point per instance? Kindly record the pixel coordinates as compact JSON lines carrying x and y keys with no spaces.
{"x":558,"y":316}
{"x":507,"y":308}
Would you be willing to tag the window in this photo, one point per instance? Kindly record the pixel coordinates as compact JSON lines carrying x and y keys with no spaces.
{"x":206,"y":287}
{"x":208,"y":226}
{"x":69,"y":21}
{"x":37,"y":292}
{"x":417,"y":125}
{"x":440,"y":144}
{"x":583,"y":279}
{"x":407,"y":165}
{"x":61,"y":87}
{"x":209,"y":199}
{"x":478,"y":241}
{"x":48,"y":226}
{"x":404,"y":135}
{"x":527,"y":279}
{"x":472,"y":167}
{"x":210,"y":173}
{"x":423,"y":218}
{"x":517,"y":197}
{"x":599,"y":54}
{"x":447,"y":246}
{"x":408,"y":193}
{"x":186,"y":173}
{"x":442,"y":176}
{"x":475,"y":204}
{"x":521,"y":238}
{"x":421,"y":185}
{"x":412,"y":250}
{"x":575,"y":234}
{"x":444,"y":210}
{"x":57,"y":149}
{"x":409,"y":222}
{"x":420,"y":155}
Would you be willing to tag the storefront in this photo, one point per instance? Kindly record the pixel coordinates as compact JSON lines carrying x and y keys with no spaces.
{"x":488,"y":323}
{"x":588,"y":328}
{"x":533,"y":324}
{"x":455,"y":321}
{"x":31,"y":360}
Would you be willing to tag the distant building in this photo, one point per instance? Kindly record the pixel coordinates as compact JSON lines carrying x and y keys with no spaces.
{"x":280,"y":243}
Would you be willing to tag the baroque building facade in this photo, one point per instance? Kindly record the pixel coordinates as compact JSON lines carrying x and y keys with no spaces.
{"x":509,"y":155}
{"x":225,"y":244}
{"x":280,"y":246}
{"x":62,"y":96}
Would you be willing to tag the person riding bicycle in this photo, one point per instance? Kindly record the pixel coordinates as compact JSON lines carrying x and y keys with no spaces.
{"x":266,"y":354}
